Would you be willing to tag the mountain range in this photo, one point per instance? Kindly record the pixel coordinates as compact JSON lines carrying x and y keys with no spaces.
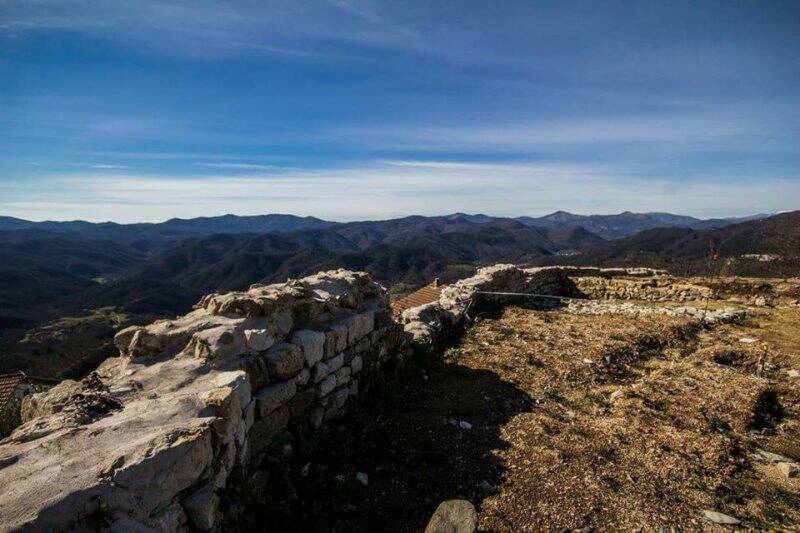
{"x":605,"y":226}
{"x":66,"y":286}
{"x":685,"y":251}
{"x":617,"y":226}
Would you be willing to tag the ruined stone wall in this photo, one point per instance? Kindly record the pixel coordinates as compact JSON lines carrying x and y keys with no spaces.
{"x":659,"y":289}
{"x":579,"y":271}
{"x":154,"y":437}
{"x":438,"y":320}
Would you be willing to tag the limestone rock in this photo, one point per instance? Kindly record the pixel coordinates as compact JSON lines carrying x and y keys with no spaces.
{"x":152,"y":438}
{"x":258,"y":340}
{"x":201,"y":507}
{"x":342,"y":376}
{"x":312,"y":343}
{"x":272,"y":397}
{"x":319,"y":372}
{"x":720,"y":518}
{"x":284,"y":361}
{"x":453,"y":516}
{"x":336,"y":363}
{"x":326,"y":386}
{"x":335,"y":340}
{"x":302,"y":378}
{"x":48,"y":402}
{"x":770,"y":457}
{"x":789,"y":469}
{"x":357,"y":364}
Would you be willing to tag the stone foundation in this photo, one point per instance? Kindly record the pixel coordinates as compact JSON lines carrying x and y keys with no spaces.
{"x":436,"y":321}
{"x":151,"y":440}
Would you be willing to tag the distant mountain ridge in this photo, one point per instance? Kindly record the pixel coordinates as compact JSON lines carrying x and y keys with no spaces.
{"x":103,"y":276}
{"x":606,"y":226}
{"x":617,"y":226}
{"x":627,"y":223}
{"x":148,"y":237}
{"x":686,"y":251}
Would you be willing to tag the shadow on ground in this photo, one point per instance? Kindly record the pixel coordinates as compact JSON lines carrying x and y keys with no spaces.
{"x":430,"y":437}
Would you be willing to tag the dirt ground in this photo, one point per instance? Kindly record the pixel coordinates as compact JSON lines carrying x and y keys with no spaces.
{"x":550,"y":421}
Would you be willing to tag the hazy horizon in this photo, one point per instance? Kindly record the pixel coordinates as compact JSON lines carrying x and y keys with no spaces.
{"x":157,"y":221}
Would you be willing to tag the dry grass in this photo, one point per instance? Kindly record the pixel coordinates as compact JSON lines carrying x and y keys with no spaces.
{"x":675,"y":441}
{"x":550,"y":448}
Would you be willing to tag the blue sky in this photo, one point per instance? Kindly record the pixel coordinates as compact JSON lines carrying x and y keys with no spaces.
{"x":350,"y":109}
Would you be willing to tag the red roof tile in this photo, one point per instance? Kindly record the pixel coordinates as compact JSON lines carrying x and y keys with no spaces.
{"x":8,"y":384}
{"x":427,"y":294}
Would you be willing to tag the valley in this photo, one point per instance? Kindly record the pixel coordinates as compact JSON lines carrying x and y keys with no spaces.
{"x":60,"y":277}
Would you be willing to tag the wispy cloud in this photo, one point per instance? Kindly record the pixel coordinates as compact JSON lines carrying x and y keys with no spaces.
{"x":393,"y":188}
{"x":204,"y":27}
{"x":108,"y":167}
{"x":368,"y":108}
{"x":240,"y":166}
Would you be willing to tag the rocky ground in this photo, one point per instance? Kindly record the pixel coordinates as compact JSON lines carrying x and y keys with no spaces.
{"x":568,"y":419}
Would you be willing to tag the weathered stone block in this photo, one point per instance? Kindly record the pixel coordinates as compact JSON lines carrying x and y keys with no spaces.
{"x":239,"y":382}
{"x":336,"y":340}
{"x":352,"y":325}
{"x":284,"y":361}
{"x":342,"y":376}
{"x":201,"y":507}
{"x":219,"y":342}
{"x":224,"y":405}
{"x":367,"y":322}
{"x":319,"y":372}
{"x":258,"y":340}
{"x":326,"y":387}
{"x":302,"y":378}
{"x":273,"y":396}
{"x":356,"y":364}
{"x":312,"y":343}
{"x":358,"y":326}
{"x":336,"y":363}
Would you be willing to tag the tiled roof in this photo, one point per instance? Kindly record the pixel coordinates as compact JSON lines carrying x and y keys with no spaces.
{"x":8,"y":384}
{"x":427,"y":294}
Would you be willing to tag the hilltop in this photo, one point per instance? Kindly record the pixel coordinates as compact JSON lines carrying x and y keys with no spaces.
{"x":769,"y":246}
{"x":649,"y":402}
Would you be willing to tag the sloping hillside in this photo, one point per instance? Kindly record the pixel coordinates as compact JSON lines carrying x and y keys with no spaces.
{"x":627,"y":223}
{"x":686,"y":251}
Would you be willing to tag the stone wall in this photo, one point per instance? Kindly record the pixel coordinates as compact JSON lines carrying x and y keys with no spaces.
{"x":579,"y":271}
{"x":151,"y":440}
{"x":439,"y":320}
{"x":660,"y":289}
{"x":647,"y":284}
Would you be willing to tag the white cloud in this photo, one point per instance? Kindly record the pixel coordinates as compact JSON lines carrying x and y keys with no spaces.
{"x":386,"y":190}
{"x":240,"y":166}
